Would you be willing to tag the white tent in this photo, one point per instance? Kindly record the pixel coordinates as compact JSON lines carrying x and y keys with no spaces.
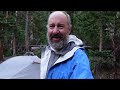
{"x":20,"y":67}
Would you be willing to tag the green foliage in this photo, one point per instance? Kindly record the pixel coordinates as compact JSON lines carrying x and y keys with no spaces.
{"x":37,"y":52}
{"x":104,"y":54}
{"x":87,"y":25}
{"x":96,"y":57}
{"x":40,"y":21}
{"x":86,"y":28}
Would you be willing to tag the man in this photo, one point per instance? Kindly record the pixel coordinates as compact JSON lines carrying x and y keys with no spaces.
{"x":64,"y":57}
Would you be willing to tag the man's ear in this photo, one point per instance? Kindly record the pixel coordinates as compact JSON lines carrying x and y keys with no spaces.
{"x":70,"y":29}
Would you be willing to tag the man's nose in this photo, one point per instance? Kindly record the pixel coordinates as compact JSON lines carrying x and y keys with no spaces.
{"x":56,"y":30}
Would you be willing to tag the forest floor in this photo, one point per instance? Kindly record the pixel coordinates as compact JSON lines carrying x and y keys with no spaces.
{"x":100,"y":71}
{"x":112,"y":73}
{"x":105,"y":68}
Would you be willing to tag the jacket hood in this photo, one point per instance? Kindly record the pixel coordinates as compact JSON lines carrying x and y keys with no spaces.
{"x":73,"y":38}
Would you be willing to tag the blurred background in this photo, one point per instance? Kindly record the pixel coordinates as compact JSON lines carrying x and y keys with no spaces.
{"x":24,"y":33}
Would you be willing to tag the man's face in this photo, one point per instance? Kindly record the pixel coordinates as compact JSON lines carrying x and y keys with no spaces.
{"x":58,"y":30}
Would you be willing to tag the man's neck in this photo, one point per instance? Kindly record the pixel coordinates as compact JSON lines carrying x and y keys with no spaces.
{"x":65,"y":48}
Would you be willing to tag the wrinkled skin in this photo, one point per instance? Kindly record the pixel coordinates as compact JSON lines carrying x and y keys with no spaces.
{"x":58,"y":30}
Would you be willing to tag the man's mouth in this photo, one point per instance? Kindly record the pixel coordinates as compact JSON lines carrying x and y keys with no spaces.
{"x":56,"y":38}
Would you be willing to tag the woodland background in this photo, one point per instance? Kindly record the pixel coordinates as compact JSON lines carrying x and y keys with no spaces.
{"x":99,"y":30}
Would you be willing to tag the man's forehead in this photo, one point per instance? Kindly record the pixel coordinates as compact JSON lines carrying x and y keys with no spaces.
{"x":57,"y":14}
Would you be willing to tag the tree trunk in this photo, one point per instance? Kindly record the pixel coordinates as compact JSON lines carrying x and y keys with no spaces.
{"x":14,"y":45}
{"x":71,"y":17}
{"x":26,"y":33}
{"x":101,"y":38}
{"x":14,"y":36}
{"x":1,"y":51}
{"x":114,"y":47}
{"x":6,"y":16}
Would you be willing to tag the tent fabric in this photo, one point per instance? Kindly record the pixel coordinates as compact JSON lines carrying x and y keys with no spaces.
{"x":20,"y":67}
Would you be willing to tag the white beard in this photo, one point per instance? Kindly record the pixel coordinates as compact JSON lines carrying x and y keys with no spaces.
{"x":58,"y":45}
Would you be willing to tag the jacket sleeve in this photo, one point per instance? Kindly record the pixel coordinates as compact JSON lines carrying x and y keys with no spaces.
{"x":81,"y":66}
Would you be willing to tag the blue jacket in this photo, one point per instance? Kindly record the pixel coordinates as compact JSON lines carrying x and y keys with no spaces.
{"x":76,"y":67}
{"x":73,"y":65}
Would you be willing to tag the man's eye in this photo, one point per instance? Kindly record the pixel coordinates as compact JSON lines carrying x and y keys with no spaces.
{"x":61,"y":27}
{"x":51,"y":26}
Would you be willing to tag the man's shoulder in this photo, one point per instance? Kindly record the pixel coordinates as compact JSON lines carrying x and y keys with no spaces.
{"x":80,"y":52}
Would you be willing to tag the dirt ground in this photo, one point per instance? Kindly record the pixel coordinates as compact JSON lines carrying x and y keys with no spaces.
{"x":113,"y":73}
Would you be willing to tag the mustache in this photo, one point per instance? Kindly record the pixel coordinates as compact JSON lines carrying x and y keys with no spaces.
{"x":56,"y":35}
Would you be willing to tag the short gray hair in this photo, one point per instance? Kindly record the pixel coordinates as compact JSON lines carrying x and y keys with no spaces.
{"x":68,"y":17}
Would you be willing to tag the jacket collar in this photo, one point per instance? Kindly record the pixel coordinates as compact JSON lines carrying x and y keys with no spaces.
{"x":72,"y":42}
